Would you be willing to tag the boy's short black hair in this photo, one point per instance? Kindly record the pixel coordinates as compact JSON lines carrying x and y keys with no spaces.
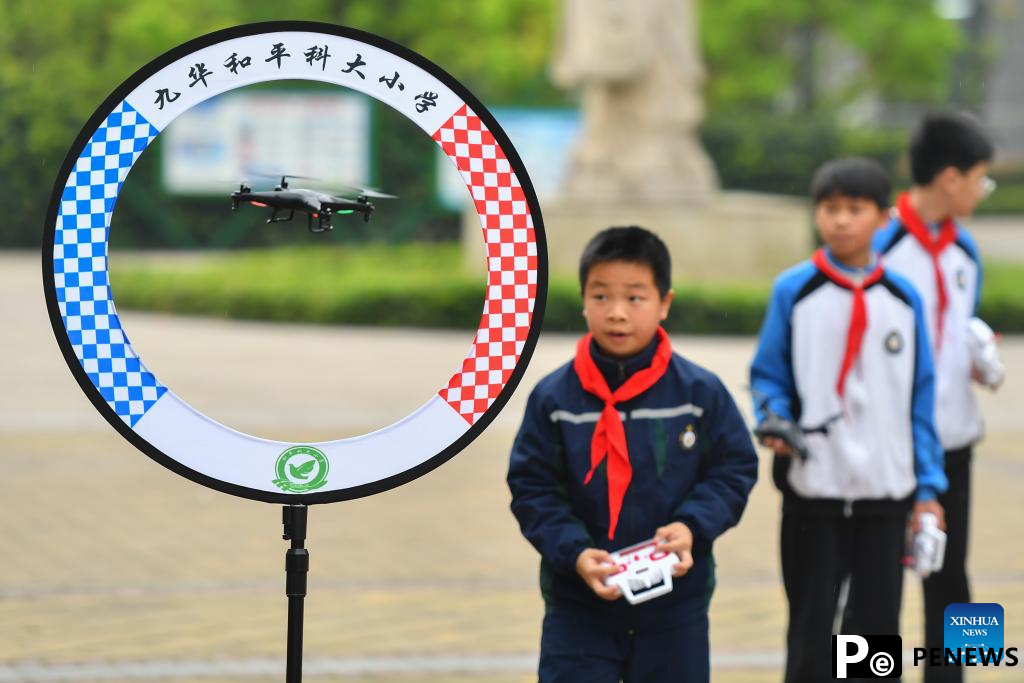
{"x":944,"y":139}
{"x":633,"y":244}
{"x":856,"y":177}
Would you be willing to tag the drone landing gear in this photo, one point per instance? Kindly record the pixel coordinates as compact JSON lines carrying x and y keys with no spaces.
{"x":366,"y":211}
{"x":275,"y":218}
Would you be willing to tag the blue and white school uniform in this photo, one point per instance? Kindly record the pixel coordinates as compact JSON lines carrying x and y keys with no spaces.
{"x":876,"y":442}
{"x":845,"y":355}
{"x":957,"y":416}
{"x":947,"y":273}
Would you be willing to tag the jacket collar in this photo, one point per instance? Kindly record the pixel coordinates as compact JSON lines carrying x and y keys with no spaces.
{"x":848,"y":270}
{"x":617,"y":370}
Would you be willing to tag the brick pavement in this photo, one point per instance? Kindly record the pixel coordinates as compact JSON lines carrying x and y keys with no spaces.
{"x":112,"y":560}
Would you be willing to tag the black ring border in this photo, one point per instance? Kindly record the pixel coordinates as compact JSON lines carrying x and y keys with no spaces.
{"x":351,"y":493}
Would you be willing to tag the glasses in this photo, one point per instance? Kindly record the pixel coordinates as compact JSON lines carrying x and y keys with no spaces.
{"x":987,"y":185}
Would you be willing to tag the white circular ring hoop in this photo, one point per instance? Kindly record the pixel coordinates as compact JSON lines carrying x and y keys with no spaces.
{"x":160,"y":423}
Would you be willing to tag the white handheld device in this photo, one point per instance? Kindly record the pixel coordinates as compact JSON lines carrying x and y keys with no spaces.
{"x":981,"y":341}
{"x":643,"y":573}
{"x":929,"y":546}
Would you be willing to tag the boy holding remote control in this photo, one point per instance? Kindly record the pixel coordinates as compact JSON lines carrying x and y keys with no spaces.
{"x":844,"y":360}
{"x":627,"y":442}
{"x":925,"y":242}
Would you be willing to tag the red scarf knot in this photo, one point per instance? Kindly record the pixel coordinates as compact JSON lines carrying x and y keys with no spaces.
{"x":933,"y":246}
{"x":858,"y":316}
{"x":609,"y":440}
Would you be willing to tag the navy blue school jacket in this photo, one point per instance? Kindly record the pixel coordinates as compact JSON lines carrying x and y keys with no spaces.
{"x":692,"y":459}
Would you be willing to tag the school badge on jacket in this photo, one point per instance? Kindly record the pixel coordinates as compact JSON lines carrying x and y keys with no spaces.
{"x":894,"y":342}
{"x":688,"y":438}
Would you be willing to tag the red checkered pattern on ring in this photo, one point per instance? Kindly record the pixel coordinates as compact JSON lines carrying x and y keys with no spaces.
{"x":511,"y":264}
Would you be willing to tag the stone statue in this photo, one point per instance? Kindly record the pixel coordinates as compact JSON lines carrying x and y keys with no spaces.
{"x":639,"y":160}
{"x":640,"y":71}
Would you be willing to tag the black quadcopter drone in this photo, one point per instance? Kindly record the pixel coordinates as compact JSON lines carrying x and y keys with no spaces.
{"x":319,"y":207}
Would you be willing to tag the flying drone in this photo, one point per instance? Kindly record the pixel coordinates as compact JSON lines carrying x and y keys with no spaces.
{"x":319,"y":207}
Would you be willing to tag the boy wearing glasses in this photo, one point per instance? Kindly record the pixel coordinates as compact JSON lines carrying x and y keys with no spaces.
{"x":949,"y":157}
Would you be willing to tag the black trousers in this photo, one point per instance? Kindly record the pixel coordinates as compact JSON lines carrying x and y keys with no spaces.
{"x":818,"y":554}
{"x":574,"y":648}
{"x":951,"y":584}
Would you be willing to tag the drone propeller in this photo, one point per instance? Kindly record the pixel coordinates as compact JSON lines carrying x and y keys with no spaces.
{"x":367,"y":192}
{"x":238,"y":184}
{"x":376,"y":194}
{"x":283,"y":184}
{"x":278,"y":174}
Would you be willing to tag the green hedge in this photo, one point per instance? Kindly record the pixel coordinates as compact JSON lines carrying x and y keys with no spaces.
{"x":779,"y":154}
{"x":426,"y":286}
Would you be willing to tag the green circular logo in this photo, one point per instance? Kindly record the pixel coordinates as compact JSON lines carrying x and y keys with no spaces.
{"x":300,"y":469}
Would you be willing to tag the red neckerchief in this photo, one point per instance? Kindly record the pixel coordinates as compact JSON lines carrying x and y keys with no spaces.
{"x":609,"y":434}
{"x":933,"y":246}
{"x":859,"y":315}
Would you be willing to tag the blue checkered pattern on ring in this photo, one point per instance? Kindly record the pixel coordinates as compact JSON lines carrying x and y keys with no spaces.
{"x":80,"y":264}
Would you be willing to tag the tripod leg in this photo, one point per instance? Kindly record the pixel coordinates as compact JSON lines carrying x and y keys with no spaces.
{"x":296,"y":564}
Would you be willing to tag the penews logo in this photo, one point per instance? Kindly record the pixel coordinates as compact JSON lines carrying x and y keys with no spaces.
{"x":867,"y":656}
{"x":300,"y":469}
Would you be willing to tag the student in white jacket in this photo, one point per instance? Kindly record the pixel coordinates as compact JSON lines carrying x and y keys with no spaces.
{"x":843,"y":354}
{"x":949,"y":160}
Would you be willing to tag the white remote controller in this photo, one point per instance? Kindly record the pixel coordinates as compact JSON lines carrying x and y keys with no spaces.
{"x":643,"y":573}
{"x":981,"y":341}
{"x":929,"y":546}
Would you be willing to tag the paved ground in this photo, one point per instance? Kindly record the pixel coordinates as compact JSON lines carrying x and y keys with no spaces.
{"x":115,"y":569}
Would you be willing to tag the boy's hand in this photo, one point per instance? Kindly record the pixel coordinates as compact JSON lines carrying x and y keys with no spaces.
{"x":923,"y":506}
{"x":594,"y":566}
{"x":676,"y":538}
{"x":779,"y":446}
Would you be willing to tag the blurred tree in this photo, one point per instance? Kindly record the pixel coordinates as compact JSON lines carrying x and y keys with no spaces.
{"x":498,"y":49}
{"x":780,"y":73}
{"x":760,"y":50}
{"x":61,"y":59}
{"x":60,"y":64}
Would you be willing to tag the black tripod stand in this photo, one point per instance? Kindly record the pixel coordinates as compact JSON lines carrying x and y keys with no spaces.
{"x":296,"y":566}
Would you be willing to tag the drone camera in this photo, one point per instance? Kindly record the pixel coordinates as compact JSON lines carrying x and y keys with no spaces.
{"x":320,"y":222}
